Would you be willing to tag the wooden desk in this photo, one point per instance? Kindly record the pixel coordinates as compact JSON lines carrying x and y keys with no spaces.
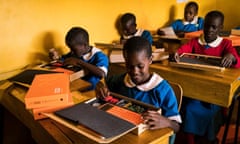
{"x":173,"y":43}
{"x":213,"y":87}
{"x":47,"y":131}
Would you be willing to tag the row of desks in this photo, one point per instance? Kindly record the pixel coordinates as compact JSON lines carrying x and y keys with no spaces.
{"x":214,"y":87}
{"x":48,"y":131}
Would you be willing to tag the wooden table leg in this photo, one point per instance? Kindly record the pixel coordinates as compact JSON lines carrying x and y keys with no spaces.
{"x":235,"y":98}
{"x":237,"y":122}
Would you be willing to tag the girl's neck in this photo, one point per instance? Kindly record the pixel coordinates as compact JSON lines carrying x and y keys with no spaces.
{"x":147,"y":80}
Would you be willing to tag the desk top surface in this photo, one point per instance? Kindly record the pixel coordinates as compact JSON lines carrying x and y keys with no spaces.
{"x":60,"y":133}
{"x":210,"y":86}
{"x":213,"y":87}
{"x":227,"y":76}
{"x":235,"y":39}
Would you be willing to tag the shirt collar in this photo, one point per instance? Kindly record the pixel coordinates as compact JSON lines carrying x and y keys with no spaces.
{"x":194,"y":21}
{"x":138,"y":33}
{"x":89,"y":55}
{"x":215,"y":43}
{"x":152,"y":83}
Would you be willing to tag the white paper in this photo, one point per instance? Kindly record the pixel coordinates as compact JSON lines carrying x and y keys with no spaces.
{"x":169,"y":32}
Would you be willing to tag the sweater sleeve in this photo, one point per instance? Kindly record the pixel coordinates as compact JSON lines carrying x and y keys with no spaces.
{"x":230,"y":49}
{"x":186,"y":48}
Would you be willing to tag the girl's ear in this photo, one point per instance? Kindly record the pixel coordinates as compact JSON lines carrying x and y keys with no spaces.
{"x":151,"y":59}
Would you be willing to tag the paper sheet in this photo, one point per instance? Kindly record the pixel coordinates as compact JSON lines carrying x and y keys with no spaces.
{"x":169,"y":32}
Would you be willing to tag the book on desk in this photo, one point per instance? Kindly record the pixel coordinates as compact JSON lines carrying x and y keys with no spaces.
{"x":169,"y":32}
{"x":106,"y":121}
{"x":200,"y":62}
{"x":74,"y":72}
{"x":26,"y":77}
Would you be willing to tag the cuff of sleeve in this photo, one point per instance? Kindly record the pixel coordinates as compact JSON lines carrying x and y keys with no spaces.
{"x":176,"y":118}
{"x":104,"y":69}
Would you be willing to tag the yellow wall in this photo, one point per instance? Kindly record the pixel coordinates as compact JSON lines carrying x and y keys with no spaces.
{"x":30,"y":27}
{"x":231,"y":12}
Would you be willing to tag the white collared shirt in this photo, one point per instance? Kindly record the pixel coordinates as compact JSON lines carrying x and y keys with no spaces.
{"x":90,"y":54}
{"x":214,"y":43}
{"x":194,"y":21}
{"x":152,"y":83}
{"x":138,"y":33}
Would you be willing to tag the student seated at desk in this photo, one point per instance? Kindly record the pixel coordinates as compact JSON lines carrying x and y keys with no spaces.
{"x":129,"y":29}
{"x":201,"y":118}
{"x":91,"y":59}
{"x":138,"y":83}
{"x":190,"y":23}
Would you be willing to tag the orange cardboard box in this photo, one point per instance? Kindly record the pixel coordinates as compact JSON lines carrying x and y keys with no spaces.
{"x":48,"y":90}
{"x":191,"y":35}
{"x":37,"y":112}
{"x":235,"y":40}
{"x":235,"y":32}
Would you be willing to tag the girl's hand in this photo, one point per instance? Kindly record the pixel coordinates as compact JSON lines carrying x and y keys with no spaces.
{"x":101,"y":91}
{"x":160,"y":32}
{"x":155,"y":120}
{"x":228,"y":60}
{"x":176,"y":57}
{"x":53,"y":54}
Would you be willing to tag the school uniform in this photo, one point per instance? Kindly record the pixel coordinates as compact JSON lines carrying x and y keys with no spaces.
{"x":201,"y":118}
{"x":95,"y":57}
{"x":219,"y":47}
{"x":156,"y":92}
{"x":140,"y":32}
{"x":181,"y":25}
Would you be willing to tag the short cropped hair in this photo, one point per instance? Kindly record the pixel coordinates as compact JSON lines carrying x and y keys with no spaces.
{"x":215,"y":14}
{"x":137,"y":44}
{"x":192,"y":4}
{"x":77,"y":36}
{"x":127,"y":17}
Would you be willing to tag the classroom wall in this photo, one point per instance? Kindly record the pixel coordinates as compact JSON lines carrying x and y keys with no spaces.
{"x":30,"y":27}
{"x":231,"y":12}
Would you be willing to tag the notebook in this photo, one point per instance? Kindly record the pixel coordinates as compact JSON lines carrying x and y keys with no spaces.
{"x":59,"y":64}
{"x":27,"y":76}
{"x":104,"y":124}
{"x":169,"y":32}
